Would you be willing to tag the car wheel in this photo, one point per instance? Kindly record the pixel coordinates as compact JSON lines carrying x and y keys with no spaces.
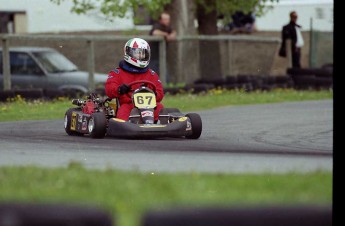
{"x":196,"y":122}
{"x":97,"y":126}
{"x":68,"y":122}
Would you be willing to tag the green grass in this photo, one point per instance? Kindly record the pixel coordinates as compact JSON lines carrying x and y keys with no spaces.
{"x":218,"y":98}
{"x":20,"y":109}
{"x":127,"y":195}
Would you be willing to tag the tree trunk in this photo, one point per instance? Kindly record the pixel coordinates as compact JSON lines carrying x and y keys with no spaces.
{"x":210,"y":66}
{"x":183,"y":56}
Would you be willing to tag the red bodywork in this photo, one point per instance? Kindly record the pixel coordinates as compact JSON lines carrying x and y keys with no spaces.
{"x":89,"y":107}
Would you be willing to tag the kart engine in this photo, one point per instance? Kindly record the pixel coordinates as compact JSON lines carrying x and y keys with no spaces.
{"x":95,"y":104}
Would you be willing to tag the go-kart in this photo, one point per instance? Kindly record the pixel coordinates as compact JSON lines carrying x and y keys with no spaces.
{"x":96,"y":117}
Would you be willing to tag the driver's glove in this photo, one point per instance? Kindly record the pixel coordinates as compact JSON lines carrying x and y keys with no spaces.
{"x":124,"y":88}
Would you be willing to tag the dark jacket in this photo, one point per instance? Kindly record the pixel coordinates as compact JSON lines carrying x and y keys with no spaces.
{"x":288,"y":32}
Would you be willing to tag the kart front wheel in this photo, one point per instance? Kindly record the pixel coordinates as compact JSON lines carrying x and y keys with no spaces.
{"x":97,"y":126}
{"x":196,"y":122}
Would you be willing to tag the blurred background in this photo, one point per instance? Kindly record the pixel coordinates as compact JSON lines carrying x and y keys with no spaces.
{"x":252,"y":52}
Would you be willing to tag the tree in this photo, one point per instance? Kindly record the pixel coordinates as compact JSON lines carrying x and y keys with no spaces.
{"x":120,"y":8}
{"x":111,"y":9}
{"x":206,"y":12}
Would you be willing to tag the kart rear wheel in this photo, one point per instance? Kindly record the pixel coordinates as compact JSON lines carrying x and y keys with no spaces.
{"x":196,"y":122}
{"x":97,"y":126}
{"x":67,"y":123}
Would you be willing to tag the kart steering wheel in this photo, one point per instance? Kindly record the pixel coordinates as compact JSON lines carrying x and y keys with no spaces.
{"x":145,"y":82}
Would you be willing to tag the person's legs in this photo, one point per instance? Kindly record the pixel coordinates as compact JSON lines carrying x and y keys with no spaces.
{"x":124,"y":111}
{"x":296,"y":58}
{"x":157,"y":110}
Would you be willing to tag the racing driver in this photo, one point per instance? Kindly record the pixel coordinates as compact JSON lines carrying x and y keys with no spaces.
{"x":134,"y":67}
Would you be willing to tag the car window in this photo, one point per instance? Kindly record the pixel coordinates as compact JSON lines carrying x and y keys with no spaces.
{"x":55,"y":62}
{"x":23,"y":64}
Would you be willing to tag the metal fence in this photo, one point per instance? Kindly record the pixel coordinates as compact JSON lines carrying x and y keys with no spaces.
{"x":178,"y":60}
{"x":321,"y":48}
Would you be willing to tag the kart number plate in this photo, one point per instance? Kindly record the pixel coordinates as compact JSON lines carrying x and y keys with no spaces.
{"x":144,"y":100}
{"x":74,"y":121}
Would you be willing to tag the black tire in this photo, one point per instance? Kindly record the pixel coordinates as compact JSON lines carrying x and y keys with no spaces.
{"x":243,"y":78}
{"x":26,"y":213}
{"x":6,"y":94}
{"x":52,"y":93}
{"x":230,"y":80}
{"x":303,"y":82}
{"x":230,"y":86}
{"x":257,"y":82}
{"x":318,"y":72}
{"x":172,"y":90}
{"x":216,"y":82}
{"x":97,"y":125}
{"x":199,"y":88}
{"x":269,"y":216}
{"x":30,"y":94}
{"x":196,"y":122}
{"x":323,"y":83}
{"x":67,"y":123}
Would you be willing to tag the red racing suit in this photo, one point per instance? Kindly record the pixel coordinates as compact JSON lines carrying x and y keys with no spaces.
{"x":120,"y":76}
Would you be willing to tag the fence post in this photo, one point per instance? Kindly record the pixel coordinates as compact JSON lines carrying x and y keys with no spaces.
{"x":6,"y":64}
{"x":230,"y":58}
{"x":91,"y":65}
{"x":163,"y":62}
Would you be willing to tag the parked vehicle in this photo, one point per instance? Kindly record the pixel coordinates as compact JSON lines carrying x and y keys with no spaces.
{"x":47,"y":69}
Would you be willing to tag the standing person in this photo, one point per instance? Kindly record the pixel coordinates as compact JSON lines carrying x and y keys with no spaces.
{"x":161,"y":28}
{"x":242,"y":23}
{"x":292,"y":31}
{"x":134,"y":67}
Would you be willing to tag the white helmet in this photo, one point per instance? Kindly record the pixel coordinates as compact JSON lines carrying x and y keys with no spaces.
{"x":137,"y":52}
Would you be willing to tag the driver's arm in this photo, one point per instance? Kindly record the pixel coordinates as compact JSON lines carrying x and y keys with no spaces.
{"x":112,"y":85}
{"x":159,"y":88}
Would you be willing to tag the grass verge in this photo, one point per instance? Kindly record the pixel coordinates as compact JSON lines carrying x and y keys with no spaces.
{"x":127,"y":195}
{"x":20,"y":109}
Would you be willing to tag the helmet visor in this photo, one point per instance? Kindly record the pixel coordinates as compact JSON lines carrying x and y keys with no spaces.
{"x":138,"y":53}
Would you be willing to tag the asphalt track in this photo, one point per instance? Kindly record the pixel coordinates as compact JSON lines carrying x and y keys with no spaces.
{"x":276,"y":138}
